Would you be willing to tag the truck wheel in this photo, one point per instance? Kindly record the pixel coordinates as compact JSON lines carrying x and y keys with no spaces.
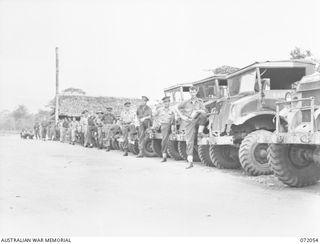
{"x":224,"y":156}
{"x":182,"y":148}
{"x":204,"y":155}
{"x":173,"y":150}
{"x":147,"y":148}
{"x":156,"y":147}
{"x":253,"y":155}
{"x":291,"y":166}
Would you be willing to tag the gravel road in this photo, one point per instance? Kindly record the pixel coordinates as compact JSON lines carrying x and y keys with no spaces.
{"x":55,"y":189}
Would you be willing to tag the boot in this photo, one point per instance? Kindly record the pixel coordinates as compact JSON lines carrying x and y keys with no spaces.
{"x":140,"y":155}
{"x":164,"y":158}
{"x":190,"y":161}
{"x":125,"y":153}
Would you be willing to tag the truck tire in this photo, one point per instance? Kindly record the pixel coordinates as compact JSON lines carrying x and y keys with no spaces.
{"x":147,"y":148}
{"x":224,"y":156}
{"x":182,"y":148}
{"x":253,"y":155}
{"x":204,"y":155}
{"x":173,"y":150}
{"x":290,"y":167}
{"x":156,"y":146}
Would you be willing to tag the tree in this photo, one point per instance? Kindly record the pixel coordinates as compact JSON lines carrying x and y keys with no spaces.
{"x":20,"y":112}
{"x":298,"y":53}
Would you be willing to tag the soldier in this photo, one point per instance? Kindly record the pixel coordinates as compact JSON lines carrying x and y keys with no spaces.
{"x":144,"y":114}
{"x":90,"y":129}
{"x":36,"y":128}
{"x":73,"y":128}
{"x":192,"y":113}
{"x":44,"y":128}
{"x":166,"y":117}
{"x":99,"y":124}
{"x":127,"y":118}
{"x":109,"y":124}
{"x":84,"y":127}
{"x":65,"y":127}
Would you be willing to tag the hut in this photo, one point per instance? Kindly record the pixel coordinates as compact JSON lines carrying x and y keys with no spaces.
{"x":73,"y":105}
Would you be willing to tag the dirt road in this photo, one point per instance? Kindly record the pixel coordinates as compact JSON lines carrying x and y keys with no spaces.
{"x":50,"y":188}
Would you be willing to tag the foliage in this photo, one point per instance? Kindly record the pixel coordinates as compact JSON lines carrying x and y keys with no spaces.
{"x":73,"y":91}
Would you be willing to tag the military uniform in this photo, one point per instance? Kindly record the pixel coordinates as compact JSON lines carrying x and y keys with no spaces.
{"x":109,"y":126}
{"x":187,"y":108}
{"x":65,"y":127}
{"x":36,"y":128}
{"x":127,"y":118}
{"x":84,"y":129}
{"x":99,"y":124}
{"x":44,"y":128}
{"x":73,"y":129}
{"x":166,"y":117}
{"x":90,"y":130}
{"x":144,"y":114}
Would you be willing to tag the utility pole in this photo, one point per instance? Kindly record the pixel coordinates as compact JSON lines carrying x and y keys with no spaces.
{"x":56,"y":114}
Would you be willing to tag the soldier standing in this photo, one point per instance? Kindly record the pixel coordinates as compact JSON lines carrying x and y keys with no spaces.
{"x":84,"y":127}
{"x":44,"y":127}
{"x":99,"y":124}
{"x":90,"y":130}
{"x":166,"y":117}
{"x":73,"y":128}
{"x":144,"y":114}
{"x":109,"y":125}
{"x":126,"y":119}
{"x":65,"y":127}
{"x":36,"y":128}
{"x":192,"y":113}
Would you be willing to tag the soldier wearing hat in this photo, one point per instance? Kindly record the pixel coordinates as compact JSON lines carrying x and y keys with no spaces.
{"x":127,"y":118}
{"x":144,"y":114}
{"x":193,"y":113}
{"x":99,"y":124}
{"x":109,"y":125}
{"x":166,"y":117}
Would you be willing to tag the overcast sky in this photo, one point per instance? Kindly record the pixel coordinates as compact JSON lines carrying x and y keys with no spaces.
{"x":131,"y":48}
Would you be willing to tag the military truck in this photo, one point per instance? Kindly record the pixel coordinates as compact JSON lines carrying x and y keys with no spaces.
{"x":210,"y":89}
{"x":294,"y":155}
{"x":247,"y":113}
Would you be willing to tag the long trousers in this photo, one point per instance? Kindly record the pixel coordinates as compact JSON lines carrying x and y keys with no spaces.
{"x":191,"y":131}
{"x":142,"y":132}
{"x":44,"y":133}
{"x":37,"y":133}
{"x":126,"y":129}
{"x":108,"y":130}
{"x":88,"y":136}
{"x":165,"y":132}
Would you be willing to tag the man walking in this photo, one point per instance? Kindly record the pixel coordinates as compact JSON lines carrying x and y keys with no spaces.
{"x":144,"y":114}
{"x":166,"y":117}
{"x":126,"y":120}
{"x":109,"y":125}
{"x":192,"y":113}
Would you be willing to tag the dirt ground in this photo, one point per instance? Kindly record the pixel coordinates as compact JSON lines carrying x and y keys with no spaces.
{"x":55,"y":189}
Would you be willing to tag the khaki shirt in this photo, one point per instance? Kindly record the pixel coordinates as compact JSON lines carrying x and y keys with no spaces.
{"x":165,"y":115}
{"x":108,"y":118}
{"x":127,"y":117}
{"x":188,"y":106}
{"x":143,"y":111}
{"x":73,"y":125}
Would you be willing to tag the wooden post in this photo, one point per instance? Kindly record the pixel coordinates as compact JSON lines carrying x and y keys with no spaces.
{"x":56,"y":114}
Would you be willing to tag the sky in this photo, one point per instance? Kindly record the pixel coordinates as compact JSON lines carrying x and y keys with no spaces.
{"x":131,"y":48}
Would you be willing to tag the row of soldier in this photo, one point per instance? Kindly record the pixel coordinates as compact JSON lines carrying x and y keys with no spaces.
{"x":98,"y":129}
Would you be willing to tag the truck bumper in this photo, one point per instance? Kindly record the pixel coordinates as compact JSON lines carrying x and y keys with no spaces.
{"x":216,"y":140}
{"x":296,"y":138}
